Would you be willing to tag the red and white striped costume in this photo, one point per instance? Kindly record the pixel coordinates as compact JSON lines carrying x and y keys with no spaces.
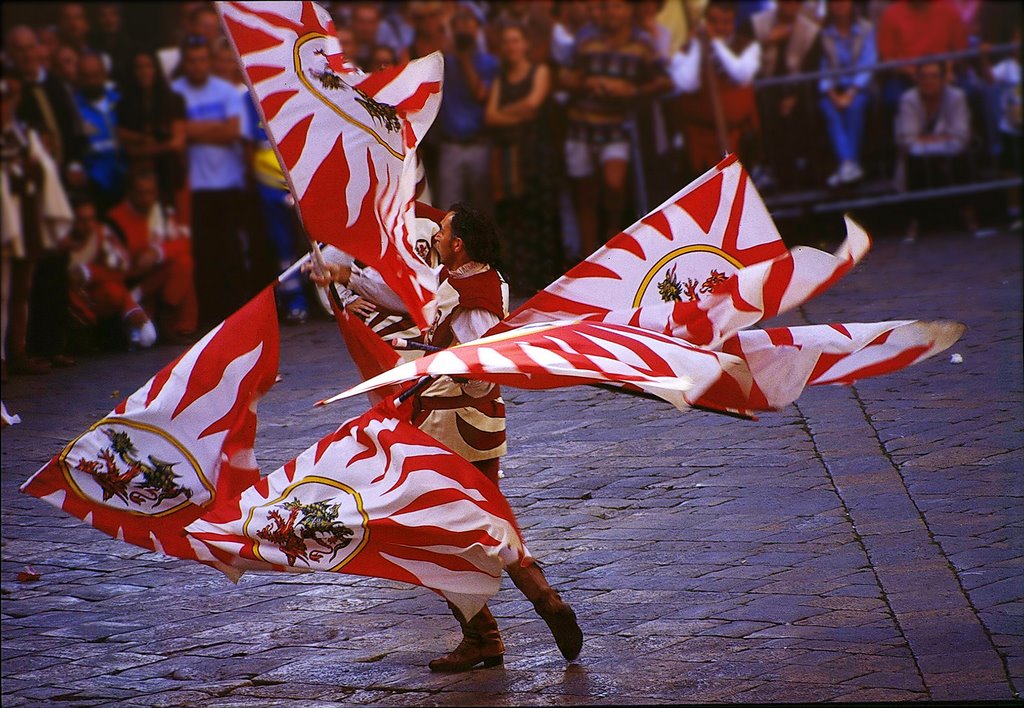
{"x":467,"y":417}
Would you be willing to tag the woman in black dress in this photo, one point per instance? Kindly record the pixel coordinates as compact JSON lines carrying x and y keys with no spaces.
{"x":525,"y":166}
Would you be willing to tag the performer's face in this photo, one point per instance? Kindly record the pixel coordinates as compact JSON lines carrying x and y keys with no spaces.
{"x":446,"y":243}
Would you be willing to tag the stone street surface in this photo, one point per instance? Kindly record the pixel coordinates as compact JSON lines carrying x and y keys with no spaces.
{"x":866,"y":543}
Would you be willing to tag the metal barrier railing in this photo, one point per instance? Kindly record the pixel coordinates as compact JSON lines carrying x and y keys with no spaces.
{"x":978,"y":170}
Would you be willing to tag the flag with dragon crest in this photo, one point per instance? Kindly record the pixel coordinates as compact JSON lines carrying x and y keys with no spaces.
{"x":178,"y":445}
{"x":346,"y":140}
{"x":380,"y":498}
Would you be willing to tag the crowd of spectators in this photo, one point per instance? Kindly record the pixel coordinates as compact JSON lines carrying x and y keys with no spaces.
{"x":142,"y":201}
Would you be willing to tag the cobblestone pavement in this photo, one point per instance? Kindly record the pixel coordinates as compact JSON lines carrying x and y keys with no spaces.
{"x":863,"y":544}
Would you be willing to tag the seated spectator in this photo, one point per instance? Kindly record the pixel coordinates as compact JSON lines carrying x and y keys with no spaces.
{"x":158,"y":256}
{"x":525,"y":174}
{"x":151,"y":127}
{"x":736,"y":60}
{"x":97,"y":103}
{"x":933,"y":131}
{"x":790,"y":44}
{"x":99,"y":269}
{"x":847,"y":42}
{"x":611,"y":68}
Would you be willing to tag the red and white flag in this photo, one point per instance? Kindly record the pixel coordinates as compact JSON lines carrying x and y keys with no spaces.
{"x":558,"y":354}
{"x":752,"y":294}
{"x":346,"y":140}
{"x":679,"y":252}
{"x":757,"y":370}
{"x":849,"y":352}
{"x":177,"y":446}
{"x":379,"y":498}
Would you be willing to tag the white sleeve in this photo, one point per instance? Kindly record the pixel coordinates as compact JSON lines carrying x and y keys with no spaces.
{"x":742,"y":68}
{"x":369,"y":283}
{"x":684,"y":68}
{"x":468,"y":325}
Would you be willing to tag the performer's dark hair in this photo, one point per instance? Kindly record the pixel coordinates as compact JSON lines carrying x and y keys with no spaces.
{"x":477,"y":232}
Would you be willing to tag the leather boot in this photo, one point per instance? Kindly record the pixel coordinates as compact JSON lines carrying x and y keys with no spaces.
{"x":481,"y":643}
{"x":560,"y":618}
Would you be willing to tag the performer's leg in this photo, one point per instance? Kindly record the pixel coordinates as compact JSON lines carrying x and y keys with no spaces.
{"x":481,"y":644}
{"x":560,"y":618}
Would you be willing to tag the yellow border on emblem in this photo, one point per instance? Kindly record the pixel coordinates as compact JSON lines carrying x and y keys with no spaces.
{"x":66,"y":469}
{"x":287,"y":492}
{"x":305,"y":82}
{"x":671,"y":256}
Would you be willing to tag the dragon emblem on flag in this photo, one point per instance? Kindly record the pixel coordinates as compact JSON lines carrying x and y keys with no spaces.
{"x":318,"y":523}
{"x":106,"y":465}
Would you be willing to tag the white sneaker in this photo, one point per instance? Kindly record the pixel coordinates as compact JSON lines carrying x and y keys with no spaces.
{"x":835,"y":179}
{"x":850,"y":171}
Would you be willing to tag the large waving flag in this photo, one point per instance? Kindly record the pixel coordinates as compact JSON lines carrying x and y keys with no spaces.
{"x":378,"y":498}
{"x":758,"y":370}
{"x":346,"y":140}
{"x":680,"y":251}
{"x":177,"y":446}
{"x":567,"y":353}
{"x":752,"y":294}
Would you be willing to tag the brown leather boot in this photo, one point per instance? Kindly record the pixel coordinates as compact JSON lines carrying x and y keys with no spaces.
{"x":560,"y":618}
{"x":481,"y":643}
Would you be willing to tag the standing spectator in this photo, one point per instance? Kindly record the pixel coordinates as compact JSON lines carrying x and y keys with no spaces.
{"x":47,"y":107}
{"x":847,"y":42}
{"x":909,"y":29}
{"x":430,"y":32}
{"x":48,"y":43}
{"x":365,"y":26}
{"x":933,"y":130}
{"x":73,"y":26}
{"x":282,"y":228}
{"x":213,"y":110}
{"x":463,"y":147}
{"x":1006,"y":78}
{"x":108,"y":36}
{"x":395,"y":29}
{"x":97,"y":104}
{"x":65,"y":67}
{"x":735,"y":60}
{"x":159,"y":257}
{"x":790,"y":45}
{"x":151,"y":127}
{"x":536,"y":20}
{"x":382,"y":57}
{"x":647,"y":12}
{"x":526,"y":186}
{"x":99,"y":268}
{"x":35,"y":218}
{"x":610,"y":70}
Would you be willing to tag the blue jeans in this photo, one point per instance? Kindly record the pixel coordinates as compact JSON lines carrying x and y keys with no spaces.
{"x":846,"y":127}
{"x":281,"y":228}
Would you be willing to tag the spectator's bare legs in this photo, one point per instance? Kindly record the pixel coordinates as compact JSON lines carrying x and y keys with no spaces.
{"x":613,"y":199}
{"x":585,"y":194}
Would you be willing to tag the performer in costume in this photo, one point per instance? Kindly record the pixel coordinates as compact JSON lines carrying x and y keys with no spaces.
{"x":469,"y":416}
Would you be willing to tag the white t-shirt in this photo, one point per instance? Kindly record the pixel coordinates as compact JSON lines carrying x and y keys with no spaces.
{"x":213,"y":167}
